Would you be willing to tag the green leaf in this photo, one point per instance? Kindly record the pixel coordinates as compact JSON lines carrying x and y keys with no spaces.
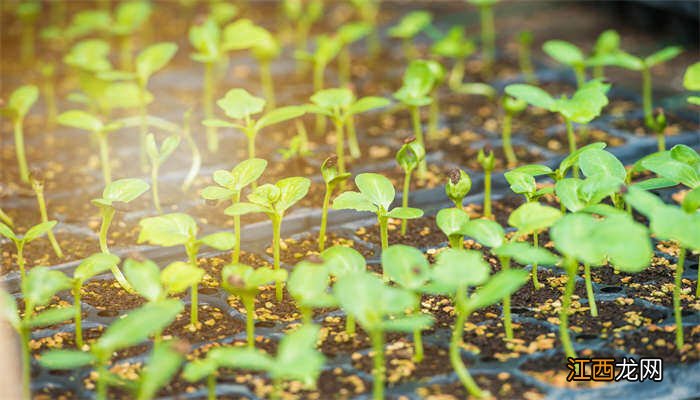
{"x":663,"y":55}
{"x":570,"y":160}
{"x":409,"y":323}
{"x":573,"y":236}
{"x":245,"y":208}
{"x":625,"y":242}
{"x":410,"y":155}
{"x":240,"y":34}
{"x":683,"y":153}
{"x":654,"y":183}
{"x":520,"y":182}
{"x":139,"y":325}
{"x":94,"y":265}
{"x":354,"y":31}
{"x":454,"y":44}
{"x":309,"y":285}
{"x":280,"y":115}
{"x":153,"y":59}
{"x":245,"y":173}
{"x":220,"y":240}
{"x":487,"y":232}
{"x":52,"y":316}
{"x":206,"y":38}
{"x":691,"y":78}
{"x":597,"y":187}
{"x":81,"y":120}
{"x":239,"y":104}
{"x":525,"y":253}
{"x":65,"y":359}
{"x":353,"y":201}
{"x":162,"y":365}
{"x":564,"y":52}
{"x":42,"y":283}
{"x":241,"y":277}
{"x":343,"y":260}
{"x":586,"y":104}
{"x":130,"y":15}
{"x":376,"y":188}
{"x":533,"y":217}
{"x":180,"y":276}
{"x":217,"y":123}
{"x":291,"y":191}
{"x":664,"y":165}
{"x":327,"y":47}
{"x":531,"y":94}
{"x":8,"y":309}
{"x":216,"y":193}
{"x":333,"y":99}
{"x":567,"y":191}
{"x":406,"y":266}
{"x":200,"y":369}
{"x":691,"y":201}
{"x":411,"y":24}
{"x":405,"y":213}
{"x":368,"y":103}
{"x":607,"y":42}
{"x":594,"y":162}
{"x":451,"y":221}
{"x":125,"y":190}
{"x":331,"y":175}
{"x":168,"y":230}
{"x":502,"y":284}
{"x":672,"y":223}
{"x":7,"y":232}
{"x":456,"y":268}
{"x":123,"y":95}
{"x":22,"y":99}
{"x":242,"y":358}
{"x":38,"y":230}
{"x":144,"y":277}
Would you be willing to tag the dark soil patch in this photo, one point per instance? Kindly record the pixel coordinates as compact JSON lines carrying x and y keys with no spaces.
{"x":488,"y":340}
{"x":269,"y":311}
{"x":658,"y":341}
{"x":502,"y":386}
{"x":421,"y":232}
{"x":559,"y":143}
{"x":216,"y":324}
{"x":109,"y":298}
{"x":40,"y":252}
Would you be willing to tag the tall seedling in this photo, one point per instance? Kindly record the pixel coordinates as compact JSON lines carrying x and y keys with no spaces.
{"x":37,"y":180}
{"x":332,"y":178}
{"x":20,"y":241}
{"x":456,"y":46}
{"x":409,"y":156}
{"x":488,"y":33}
{"x":408,"y":28}
{"x":18,"y":105}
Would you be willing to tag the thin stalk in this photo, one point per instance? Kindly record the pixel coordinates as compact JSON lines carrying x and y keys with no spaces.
{"x":208,"y":93}
{"x":580,"y":72}
{"x":344,"y":65}
{"x":373,"y":42}
{"x":487,"y":193}
{"x":306,"y":315}
{"x":276,"y":228}
{"x":525,"y":61}
{"x":404,"y":199}
{"x":211,"y":387}
{"x":572,"y":143}
{"x":107,"y":216}
{"x":409,"y":50}
{"x":565,"y":305}
{"x":19,"y":150}
{"x":488,"y":37}
{"x":507,"y":144}
{"x":353,"y":144}
{"x":456,"y":74}
{"x":418,"y":133}
{"x":249,"y":304}
{"x":456,"y":241}
{"x":50,"y":98}
{"x":661,"y":141}
{"x":126,"y":47}
{"x":378,"y":371}
{"x":324,"y":219}
{"x":78,"y":315}
{"x":350,"y":325}
{"x":384,"y":232}
{"x":697,"y":288}
{"x":154,"y":187}
{"x":24,"y":334}
{"x":589,"y":290}
{"x":104,"y":157}
{"x":101,"y":381}
{"x":268,"y":87}
{"x":196,"y":161}
{"x":119,"y":276}
{"x":20,"y":260}
{"x":535,"y":279}
{"x":44,"y":218}
{"x":507,"y":318}
{"x":339,"y":144}
{"x":456,"y":345}
{"x":646,"y":95}
{"x":433,"y":116}
{"x":677,"y":298}
{"x":191,"y":251}
{"x":418,"y":345}
{"x":598,"y":72}
{"x":237,"y":230}
{"x":301,"y":132}
{"x":143,"y":129}
{"x":276,"y":389}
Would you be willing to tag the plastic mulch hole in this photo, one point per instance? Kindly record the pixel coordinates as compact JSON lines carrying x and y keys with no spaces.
{"x":108,"y":313}
{"x":210,"y":291}
{"x":586,"y":336}
{"x":611,"y":289}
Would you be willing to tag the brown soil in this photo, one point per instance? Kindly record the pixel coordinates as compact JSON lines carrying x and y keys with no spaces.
{"x":421,"y":232}
{"x":503,"y":385}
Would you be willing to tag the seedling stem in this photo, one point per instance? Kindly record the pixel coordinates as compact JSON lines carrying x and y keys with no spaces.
{"x":267,"y":85}
{"x":565,"y":305}
{"x":677,"y":311}
{"x":196,"y":156}
{"x":456,"y":344}
{"x":572,"y":143}
{"x":39,"y":190}
{"x":276,"y":228}
{"x":378,"y":371}
{"x":589,"y":290}
{"x":418,"y":133}
{"x":507,"y":319}
{"x":404,"y":199}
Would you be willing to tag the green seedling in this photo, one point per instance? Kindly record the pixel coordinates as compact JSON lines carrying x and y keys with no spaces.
{"x":304,"y":14}
{"x":691,"y":81}
{"x":245,"y":281}
{"x":418,"y":82}
{"x":230,"y":186}
{"x":454,"y":45}
{"x":154,"y":284}
{"x":309,"y":287}
{"x":458,"y":186}
{"x":20,"y":241}
{"x":525,"y":39}
{"x":643,"y":65}
{"x":349,"y":33}
{"x":115,"y":196}
{"x":180,"y":229}
{"x":91,"y":266}
{"x":327,"y":48}
{"x":86,"y":121}
{"x":196,"y":155}
{"x":669,"y":222}
{"x":607,"y":43}
{"x":332,"y":178}
{"x":222,"y":12}
{"x":157,"y":157}
{"x":522,"y":181}
{"x":570,"y":55}
{"x":409,"y":156}
{"x":439,"y":75}
{"x":454,"y":273}
{"x":129,"y":17}
{"x":451,"y":222}
{"x":27,"y":13}
{"x":408,"y":267}
{"x":18,"y":105}
{"x":297,"y":359}
{"x":241,"y":106}
{"x":488,"y":33}
{"x":376,"y":195}
{"x":136,"y":327}
{"x":585,"y":105}
{"x":37,"y":180}
{"x":528,"y":218}
{"x":680,"y":165}
{"x":38,"y":289}
{"x":274,"y":201}
{"x":512,"y":107}
{"x":340,"y":105}
{"x":368,"y":11}
{"x":341,"y":261}
{"x":373,"y":304}
{"x":408,"y":28}
{"x":488,"y":163}
{"x":149,"y":61}
{"x":163,"y":363}
{"x":582,"y":237}
{"x":658,"y":125}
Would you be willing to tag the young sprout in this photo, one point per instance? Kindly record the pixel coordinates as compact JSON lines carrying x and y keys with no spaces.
{"x":91,"y":266}
{"x":18,"y":105}
{"x":163,"y":363}
{"x":439,"y":75}
{"x":408,"y":28}
{"x":408,"y":267}
{"x":458,"y":186}
{"x":525,"y":39}
{"x":20,"y":241}
{"x":456,"y":46}
{"x":570,"y":55}
{"x":196,"y":155}
{"x":585,"y":105}
{"x":149,"y":61}
{"x":115,"y":196}
{"x":408,"y":157}
{"x":181,"y":229}
{"x":341,"y":261}
{"x":451,"y":222}
{"x":304,"y":14}
{"x":607,"y":43}
{"x":274,"y":201}
{"x":129,"y":17}
{"x":418,"y":82}
{"x":487,"y":162}
{"x":512,"y":107}
{"x":136,"y":327}
{"x":368,"y":11}
{"x":488,"y":33}
{"x":240,"y":106}
{"x":37,"y":180}
{"x":454,"y":273}
{"x":308,"y":285}
{"x":39,"y":287}
{"x":332,"y":178}
{"x":230,"y":186}
{"x":297,"y":359}
{"x":327,"y":48}
{"x":157,"y":156}
{"x":691,"y":81}
{"x":349,"y":33}
{"x":376,"y":195}
{"x":28,"y":12}
{"x":669,"y":222}
{"x":373,"y":304}
{"x":528,"y":218}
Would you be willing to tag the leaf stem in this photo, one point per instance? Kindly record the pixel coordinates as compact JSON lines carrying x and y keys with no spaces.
{"x":456,"y":241}
{"x":456,"y":344}
{"x":377,"y":337}
{"x":154,"y":187}
{"x":19,"y":150}
{"x":339,"y":144}
{"x":647,"y":95}
{"x":324,"y":219}
{"x":353,"y":144}
{"x":24,"y":333}
{"x":589,"y":290}
{"x":249,"y":304}
{"x":507,"y":144}
{"x":350,"y":325}
{"x":487,"y":193}
{"x":418,"y":133}
{"x":507,"y":318}
{"x":404,"y":198}
{"x":107,"y":216}
{"x":191,"y":250}
{"x":535,"y":279}
{"x":237,"y":230}
{"x":78,"y":315}
{"x":268,"y":87}
{"x":418,"y":345}
{"x":211,"y":387}
{"x":45,"y":218}
{"x":433,"y":116}
{"x":677,"y":309}
{"x":20,"y":259}
{"x":276,"y":228}
{"x":143,"y":128}
{"x":196,"y":156}
{"x":572,"y":144}
{"x":488,"y":38}
{"x":565,"y":305}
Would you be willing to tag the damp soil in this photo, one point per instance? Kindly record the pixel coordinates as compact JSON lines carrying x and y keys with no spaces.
{"x":503,"y":385}
{"x":421,"y":232}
